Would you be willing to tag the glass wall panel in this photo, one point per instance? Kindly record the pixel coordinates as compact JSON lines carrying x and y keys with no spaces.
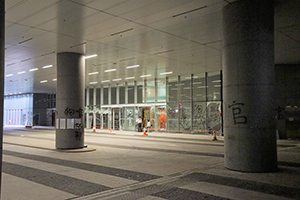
{"x":18,"y":110}
{"x":213,"y":117}
{"x":161,"y":118}
{"x":122,"y":95}
{"x":91,"y":95}
{"x":140,"y":92}
{"x":185,"y":89}
{"x":130,"y":119}
{"x":150,"y":91}
{"x":130,"y":92}
{"x":199,"y":87}
{"x":214,"y":86}
{"x":105,"y":96}
{"x":185,"y":116}
{"x":199,"y":123}
{"x":161,"y":90}
{"x":172,"y":105}
{"x":98,"y":96}
{"x":113,"y":95}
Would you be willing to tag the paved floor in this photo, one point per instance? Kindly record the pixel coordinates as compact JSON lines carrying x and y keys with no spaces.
{"x":128,"y":166}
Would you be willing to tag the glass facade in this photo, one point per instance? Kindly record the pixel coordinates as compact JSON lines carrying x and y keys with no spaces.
{"x":179,"y":104}
{"x":18,"y":110}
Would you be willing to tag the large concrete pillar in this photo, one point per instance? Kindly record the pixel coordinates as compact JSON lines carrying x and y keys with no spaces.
{"x":248,"y":72}
{"x":2,"y":46}
{"x":70,"y":100}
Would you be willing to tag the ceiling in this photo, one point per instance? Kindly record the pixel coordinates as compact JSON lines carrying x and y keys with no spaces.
{"x":178,"y":36}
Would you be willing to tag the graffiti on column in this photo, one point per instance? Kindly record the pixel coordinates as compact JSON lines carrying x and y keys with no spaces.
{"x":71,"y":112}
{"x":236,"y":113}
{"x":279,"y":114}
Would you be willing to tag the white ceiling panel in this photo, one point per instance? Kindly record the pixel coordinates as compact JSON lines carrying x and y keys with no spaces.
{"x":183,"y":36}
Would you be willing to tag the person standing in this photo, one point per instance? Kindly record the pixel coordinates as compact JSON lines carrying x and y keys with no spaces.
{"x":148,"y":125}
{"x":139,"y":123}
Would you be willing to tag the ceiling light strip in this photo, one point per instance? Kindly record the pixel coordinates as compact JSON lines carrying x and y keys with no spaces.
{"x":105,"y":81}
{"x":147,"y":75}
{"x":47,"y":66}
{"x":91,"y":56}
{"x":193,"y":10}
{"x":110,"y":70}
{"x":121,"y":32}
{"x":44,"y":81}
{"x":92,"y":73}
{"x":34,"y":69}
{"x":129,"y":78}
{"x":163,"y":73}
{"x":117,"y":79}
{"x":8,"y":75}
{"x":22,"y":72}
{"x":133,"y":66}
{"x":94,"y":82}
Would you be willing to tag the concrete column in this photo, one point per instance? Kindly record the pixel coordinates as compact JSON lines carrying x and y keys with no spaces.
{"x":249,"y":76}
{"x":70,"y":100}
{"x":2,"y":58}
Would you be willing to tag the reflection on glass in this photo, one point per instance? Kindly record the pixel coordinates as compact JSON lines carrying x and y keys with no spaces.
{"x":150,"y":92}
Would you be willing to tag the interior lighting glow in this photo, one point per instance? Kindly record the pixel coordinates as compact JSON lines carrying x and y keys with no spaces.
{"x":8,"y":75}
{"x":129,"y":78}
{"x":91,"y":56}
{"x":34,"y":69}
{"x":117,"y":79}
{"x":94,"y":82}
{"x":163,"y":73}
{"x":133,"y":66}
{"x":105,"y":81}
{"x":44,"y":81}
{"x":92,"y":73}
{"x":217,"y":85}
{"x":110,"y":70}
{"x":21,"y":72}
{"x":47,"y":66}
{"x":147,"y":75}
{"x":216,"y":81}
{"x":54,"y":79}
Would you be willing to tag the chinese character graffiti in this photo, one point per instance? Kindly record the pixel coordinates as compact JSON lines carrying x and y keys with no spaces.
{"x":236,"y":112}
{"x":71,"y":112}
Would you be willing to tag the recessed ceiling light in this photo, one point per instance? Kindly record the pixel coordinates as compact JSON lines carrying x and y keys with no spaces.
{"x":163,"y":73}
{"x":110,"y":70}
{"x":8,"y":75}
{"x":133,"y":66}
{"x":47,"y":66}
{"x":34,"y":69}
{"x":117,"y":79}
{"x":92,"y":73}
{"x":147,"y":75}
{"x":91,"y":56}
{"x":216,"y":81}
{"x":105,"y":81}
{"x":22,"y":72}
{"x":129,"y":77}
{"x":94,"y":82}
{"x":54,"y":79}
{"x":44,"y":81}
